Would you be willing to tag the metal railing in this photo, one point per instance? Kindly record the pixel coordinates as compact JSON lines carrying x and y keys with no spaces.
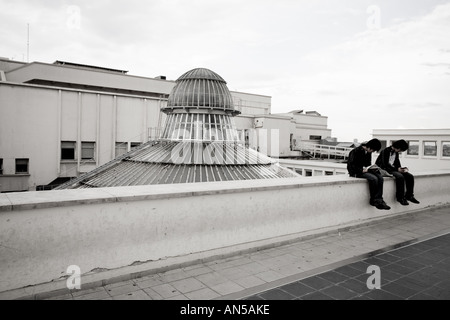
{"x":321,"y":150}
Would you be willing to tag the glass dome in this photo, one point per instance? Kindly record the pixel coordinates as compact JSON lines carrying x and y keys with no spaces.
{"x":200,"y":89}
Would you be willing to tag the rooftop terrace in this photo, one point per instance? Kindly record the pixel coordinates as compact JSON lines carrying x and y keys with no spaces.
{"x":121,"y":233}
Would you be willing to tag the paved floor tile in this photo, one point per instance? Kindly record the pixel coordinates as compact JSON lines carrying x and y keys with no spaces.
{"x":93,"y":296}
{"x":398,"y":267}
{"x":338,"y":292}
{"x":212,"y":278}
{"x":202,"y":294}
{"x":438,"y":293}
{"x":173,"y":275}
{"x":269,"y":276}
{"x":187,"y":285}
{"x":297,"y":289}
{"x":316,"y":282}
{"x":78,"y":293}
{"x":316,"y":295}
{"x":197,"y":271}
{"x":377,"y":294}
{"x":235,"y":272}
{"x":259,"y":256}
{"x":166,"y":290}
{"x":67,"y":296}
{"x":349,"y":271}
{"x":227,"y":288}
{"x":153,"y":294}
{"x":396,"y":288}
{"x":355,"y":286}
{"x":179,"y":297}
{"x":276,"y":294}
{"x":288,"y":270}
{"x":119,"y":284}
{"x":118,"y":290}
{"x":422,"y":296}
{"x":136,"y":295}
{"x":254,"y":267}
{"x":148,"y":282}
{"x":249,"y":281}
{"x":333,"y":276}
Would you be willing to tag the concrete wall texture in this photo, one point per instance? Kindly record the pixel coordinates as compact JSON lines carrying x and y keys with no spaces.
{"x":108,"y":230}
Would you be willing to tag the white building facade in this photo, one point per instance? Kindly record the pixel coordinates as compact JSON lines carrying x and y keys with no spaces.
{"x":429,"y":149}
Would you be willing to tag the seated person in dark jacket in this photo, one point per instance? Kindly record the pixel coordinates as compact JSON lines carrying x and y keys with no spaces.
{"x":359,"y":159}
{"x":389,"y":161}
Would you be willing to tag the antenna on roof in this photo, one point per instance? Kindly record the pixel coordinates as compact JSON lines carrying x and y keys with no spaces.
{"x":28,"y":42}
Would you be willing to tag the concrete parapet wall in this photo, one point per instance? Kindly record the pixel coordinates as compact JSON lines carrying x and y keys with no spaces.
{"x":109,"y":231}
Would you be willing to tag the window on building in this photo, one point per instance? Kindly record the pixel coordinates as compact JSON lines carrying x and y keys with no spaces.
{"x":67,"y":150}
{"x":429,"y":148}
{"x":121,"y":148}
{"x":315,"y":137}
{"x":21,"y":166}
{"x":1,"y":166}
{"x":413,"y":149}
{"x":134,"y":144}
{"x":88,"y":150}
{"x":446,"y":149}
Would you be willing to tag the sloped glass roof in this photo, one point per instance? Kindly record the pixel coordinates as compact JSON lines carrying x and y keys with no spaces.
{"x":183,"y":162}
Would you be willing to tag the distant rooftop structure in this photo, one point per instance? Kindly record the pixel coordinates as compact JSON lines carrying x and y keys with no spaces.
{"x":314,"y":113}
{"x":78,"y":65}
{"x":199,"y":143}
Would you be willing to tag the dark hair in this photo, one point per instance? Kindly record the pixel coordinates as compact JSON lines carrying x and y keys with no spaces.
{"x":401,"y":144}
{"x":373,"y":144}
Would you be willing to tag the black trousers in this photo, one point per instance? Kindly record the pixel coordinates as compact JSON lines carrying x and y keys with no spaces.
{"x":375,"y":186}
{"x":402,"y":180}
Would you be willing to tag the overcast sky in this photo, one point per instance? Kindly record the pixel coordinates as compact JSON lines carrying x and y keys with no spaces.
{"x":364,"y":64}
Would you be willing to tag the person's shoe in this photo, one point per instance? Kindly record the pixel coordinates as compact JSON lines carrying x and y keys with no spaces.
{"x":386,"y":207}
{"x":372,"y":203}
{"x":403,"y":202}
{"x":412,"y":199}
{"x":382,"y":206}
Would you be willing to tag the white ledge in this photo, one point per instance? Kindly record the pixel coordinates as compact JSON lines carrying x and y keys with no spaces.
{"x":60,"y":198}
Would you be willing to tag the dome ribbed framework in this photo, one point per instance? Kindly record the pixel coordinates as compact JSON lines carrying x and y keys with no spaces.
{"x":200,"y":89}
